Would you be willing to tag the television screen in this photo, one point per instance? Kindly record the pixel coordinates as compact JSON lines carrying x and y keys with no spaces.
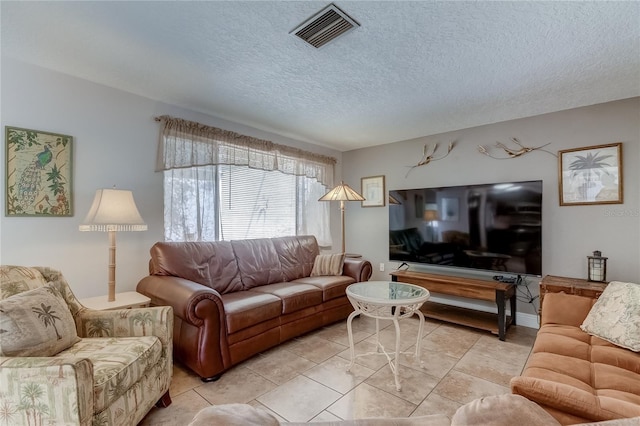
{"x":492,"y":227}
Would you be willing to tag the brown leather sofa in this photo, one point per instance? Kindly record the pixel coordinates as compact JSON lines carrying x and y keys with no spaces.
{"x":234,"y":299}
{"x":574,"y":376}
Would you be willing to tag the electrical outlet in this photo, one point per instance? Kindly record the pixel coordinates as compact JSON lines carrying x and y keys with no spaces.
{"x":381,"y":267}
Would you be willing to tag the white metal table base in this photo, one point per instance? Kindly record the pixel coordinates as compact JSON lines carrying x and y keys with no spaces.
{"x":386,"y":312}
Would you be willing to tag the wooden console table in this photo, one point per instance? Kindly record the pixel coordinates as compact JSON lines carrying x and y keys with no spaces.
{"x":470,"y":288}
{"x":577,"y":286}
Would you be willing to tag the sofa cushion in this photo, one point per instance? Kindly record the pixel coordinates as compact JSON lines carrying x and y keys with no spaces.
{"x":117,"y":362}
{"x":332,"y":287}
{"x":328,"y":264}
{"x":294,"y":296}
{"x":615,"y":317}
{"x":563,"y":340}
{"x":296,"y":255}
{"x":246,"y":308}
{"x":258,"y":262}
{"x":36,"y":323}
{"x":16,"y":279}
{"x":565,"y":309}
{"x":212,"y":264}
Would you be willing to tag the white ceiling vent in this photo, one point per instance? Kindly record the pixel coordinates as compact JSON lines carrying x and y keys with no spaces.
{"x":326,"y":25}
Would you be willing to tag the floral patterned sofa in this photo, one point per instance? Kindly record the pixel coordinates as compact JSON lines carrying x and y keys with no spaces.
{"x":62,"y":363}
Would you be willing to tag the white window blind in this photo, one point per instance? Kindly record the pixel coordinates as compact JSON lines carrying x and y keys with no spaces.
{"x":256,"y":204}
{"x":226,"y":202}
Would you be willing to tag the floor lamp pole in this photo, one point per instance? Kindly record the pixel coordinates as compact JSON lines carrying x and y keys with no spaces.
{"x":342,"y":214}
{"x":112,"y":266}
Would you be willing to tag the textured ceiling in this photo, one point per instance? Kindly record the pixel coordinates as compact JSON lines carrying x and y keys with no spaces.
{"x":412,"y":69}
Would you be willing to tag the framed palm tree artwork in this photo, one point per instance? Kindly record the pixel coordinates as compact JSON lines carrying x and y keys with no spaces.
{"x":590,"y":175}
{"x":38,"y":173}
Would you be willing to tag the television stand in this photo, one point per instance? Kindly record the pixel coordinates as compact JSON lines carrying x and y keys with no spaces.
{"x":470,"y":288}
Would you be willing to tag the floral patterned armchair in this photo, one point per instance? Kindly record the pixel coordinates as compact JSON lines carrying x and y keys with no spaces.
{"x":110,"y":369}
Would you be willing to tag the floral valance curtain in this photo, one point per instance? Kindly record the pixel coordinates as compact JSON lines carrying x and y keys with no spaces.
{"x":185,"y":143}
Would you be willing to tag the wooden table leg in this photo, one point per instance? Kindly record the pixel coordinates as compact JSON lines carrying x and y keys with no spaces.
{"x":513,"y":307}
{"x":502,"y":315}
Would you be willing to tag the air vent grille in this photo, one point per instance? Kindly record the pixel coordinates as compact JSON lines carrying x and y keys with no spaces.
{"x":325,"y":26}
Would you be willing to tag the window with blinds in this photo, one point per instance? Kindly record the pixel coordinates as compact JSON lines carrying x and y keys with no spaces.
{"x":228,"y":202}
{"x":256,"y":203}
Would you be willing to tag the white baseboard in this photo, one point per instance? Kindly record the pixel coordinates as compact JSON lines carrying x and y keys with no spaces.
{"x":527,"y":320}
{"x":523,"y":319}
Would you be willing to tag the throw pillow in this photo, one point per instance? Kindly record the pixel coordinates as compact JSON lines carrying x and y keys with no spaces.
{"x":615,"y":316}
{"x":328,"y":264}
{"x":502,"y":410}
{"x":36,"y":323}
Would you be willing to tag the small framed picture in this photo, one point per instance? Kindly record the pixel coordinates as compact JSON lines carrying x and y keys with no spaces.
{"x":39,"y":173}
{"x":450,"y":210}
{"x":373,"y":191}
{"x":590,"y":175}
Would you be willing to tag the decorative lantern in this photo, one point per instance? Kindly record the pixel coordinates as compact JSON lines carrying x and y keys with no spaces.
{"x":597,"y":267}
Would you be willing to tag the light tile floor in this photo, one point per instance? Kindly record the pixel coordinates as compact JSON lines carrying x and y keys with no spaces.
{"x":305,"y":379}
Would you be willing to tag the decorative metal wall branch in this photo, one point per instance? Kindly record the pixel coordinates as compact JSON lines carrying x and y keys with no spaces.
{"x":427,"y":155}
{"x":513,"y":153}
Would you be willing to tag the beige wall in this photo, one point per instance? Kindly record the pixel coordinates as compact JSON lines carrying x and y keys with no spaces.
{"x":569,"y":233}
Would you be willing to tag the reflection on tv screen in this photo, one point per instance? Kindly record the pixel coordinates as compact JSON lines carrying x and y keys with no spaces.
{"x":493,"y":227}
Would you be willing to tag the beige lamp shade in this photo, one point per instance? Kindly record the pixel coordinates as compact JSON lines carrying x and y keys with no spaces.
{"x":431,"y":212}
{"x":113,"y":210}
{"x":342,"y":193}
{"x":430,"y":215}
{"x":393,"y":200}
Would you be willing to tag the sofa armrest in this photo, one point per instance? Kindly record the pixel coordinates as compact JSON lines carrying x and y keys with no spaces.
{"x":578,"y":402}
{"x":30,"y":385}
{"x":181,"y":294}
{"x":199,"y":339}
{"x":565,"y":309}
{"x":358,"y":269}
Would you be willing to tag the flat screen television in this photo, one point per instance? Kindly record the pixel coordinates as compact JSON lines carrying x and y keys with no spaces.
{"x":488,"y":227}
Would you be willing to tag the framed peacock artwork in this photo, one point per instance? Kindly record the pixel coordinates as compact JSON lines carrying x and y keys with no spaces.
{"x":39,"y":173}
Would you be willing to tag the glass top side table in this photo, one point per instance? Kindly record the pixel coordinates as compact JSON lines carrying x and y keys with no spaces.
{"x":387,"y":300}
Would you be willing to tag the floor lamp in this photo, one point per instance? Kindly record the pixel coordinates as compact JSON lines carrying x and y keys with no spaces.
{"x":113,"y":210}
{"x":342,"y":193}
{"x":431,"y":216}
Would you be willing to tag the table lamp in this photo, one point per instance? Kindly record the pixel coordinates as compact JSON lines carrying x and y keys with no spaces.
{"x":113,"y":210}
{"x":342,"y":193}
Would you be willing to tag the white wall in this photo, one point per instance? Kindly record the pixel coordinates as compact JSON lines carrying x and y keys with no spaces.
{"x":115,"y":140}
{"x":570,"y":233}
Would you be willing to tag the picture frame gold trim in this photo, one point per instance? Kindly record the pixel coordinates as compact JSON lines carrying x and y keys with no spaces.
{"x":373,"y":190}
{"x":39,"y":173}
{"x":591,"y":175}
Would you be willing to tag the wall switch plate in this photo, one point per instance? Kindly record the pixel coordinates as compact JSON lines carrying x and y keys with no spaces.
{"x":381,"y":267}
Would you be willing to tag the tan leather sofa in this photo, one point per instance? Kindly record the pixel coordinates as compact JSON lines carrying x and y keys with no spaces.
{"x":574,"y":376}
{"x":234,"y":299}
